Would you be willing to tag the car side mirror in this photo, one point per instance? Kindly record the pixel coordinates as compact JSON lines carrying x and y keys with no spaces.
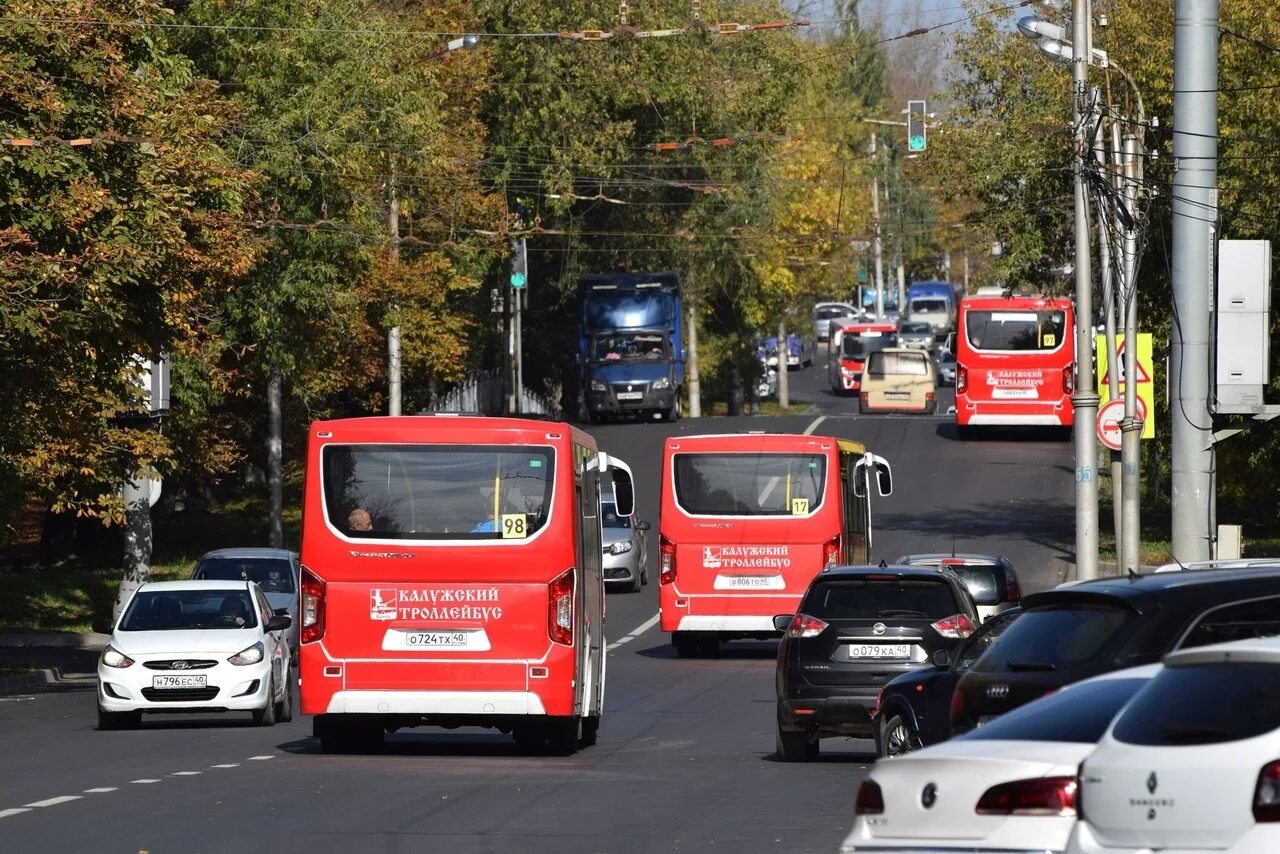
{"x":281,"y":612}
{"x":942,"y":658}
{"x":279,"y":623}
{"x":643,"y":526}
{"x":782,"y":621}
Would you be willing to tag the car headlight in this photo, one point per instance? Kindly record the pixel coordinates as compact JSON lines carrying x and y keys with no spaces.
{"x":115,"y":658}
{"x":661,"y":383}
{"x":596,"y":385}
{"x":249,"y":655}
{"x":620,"y":548}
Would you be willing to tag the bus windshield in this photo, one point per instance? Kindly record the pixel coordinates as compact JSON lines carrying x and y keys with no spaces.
{"x":1016,"y":331}
{"x":858,"y":346}
{"x":749,"y":484}
{"x":424,"y":492}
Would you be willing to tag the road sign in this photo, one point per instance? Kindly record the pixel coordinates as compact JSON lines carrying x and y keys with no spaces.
{"x":1145,"y":378}
{"x":1110,"y":414}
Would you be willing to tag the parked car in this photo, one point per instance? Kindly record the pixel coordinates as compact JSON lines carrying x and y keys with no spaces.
{"x":916,"y":334}
{"x":276,"y":571}
{"x":898,"y":380}
{"x":1193,"y":763}
{"x":857,"y":627}
{"x":990,"y":578}
{"x":1091,"y":627}
{"x":913,"y":710}
{"x":195,"y":646}
{"x":946,"y":361}
{"x":626,"y":550}
{"x":1010,"y":786}
{"x":799,"y":351}
{"x":826,"y":313}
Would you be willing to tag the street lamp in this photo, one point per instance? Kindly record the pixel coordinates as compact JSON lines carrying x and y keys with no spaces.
{"x":466,"y":42}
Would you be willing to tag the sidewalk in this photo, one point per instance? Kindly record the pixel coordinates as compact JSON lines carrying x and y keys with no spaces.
{"x":44,"y":659}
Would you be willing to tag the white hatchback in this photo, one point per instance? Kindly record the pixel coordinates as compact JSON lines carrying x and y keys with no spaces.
{"x":196,"y":646}
{"x":1007,"y":786}
{"x":1193,"y":764}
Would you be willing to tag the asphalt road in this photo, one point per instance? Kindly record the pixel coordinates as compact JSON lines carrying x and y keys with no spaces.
{"x":685,"y":758}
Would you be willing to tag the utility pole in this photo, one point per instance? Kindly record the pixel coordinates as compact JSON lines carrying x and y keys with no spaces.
{"x":1131,"y":424}
{"x":393,"y":334}
{"x":1195,"y":214}
{"x":875,"y":213}
{"x":784,"y":356}
{"x":695,"y":381}
{"x":275,"y":460}
{"x":1110,"y":296}
{"x":1085,"y":399}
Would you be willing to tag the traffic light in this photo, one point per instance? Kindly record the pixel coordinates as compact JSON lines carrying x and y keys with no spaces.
{"x":519,"y":263}
{"x":917,"y":137}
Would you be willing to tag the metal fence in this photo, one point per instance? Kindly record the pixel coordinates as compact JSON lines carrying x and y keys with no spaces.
{"x":485,"y":394}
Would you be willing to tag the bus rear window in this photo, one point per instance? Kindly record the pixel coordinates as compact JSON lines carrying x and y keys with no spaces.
{"x":749,"y":484}
{"x":424,"y":492}
{"x":1016,"y":331}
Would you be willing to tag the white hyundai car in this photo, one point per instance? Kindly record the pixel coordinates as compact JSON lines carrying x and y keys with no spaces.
{"x":196,"y":646}
{"x":1193,"y":764}
{"x":1007,"y":786}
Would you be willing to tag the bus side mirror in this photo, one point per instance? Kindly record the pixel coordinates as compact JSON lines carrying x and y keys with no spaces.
{"x":624,"y":491}
{"x":863,"y":469}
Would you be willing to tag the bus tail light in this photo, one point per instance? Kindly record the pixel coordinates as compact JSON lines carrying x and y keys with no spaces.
{"x":831,"y":552}
{"x":667,"y":561}
{"x":804,"y":626}
{"x":560,"y":608}
{"x":958,"y":626}
{"x":962,"y":379}
{"x":312,"y":628}
{"x":1069,"y":379}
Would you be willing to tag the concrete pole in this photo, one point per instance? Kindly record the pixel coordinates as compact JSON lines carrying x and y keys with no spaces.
{"x":695,"y":380}
{"x":1109,"y":294}
{"x":393,"y":334}
{"x":519,"y":347}
{"x":1131,"y":424}
{"x":137,"y":539}
{"x":275,"y":461}
{"x":875,"y":215}
{"x":1085,"y":399}
{"x":784,"y":353}
{"x":1195,"y":214}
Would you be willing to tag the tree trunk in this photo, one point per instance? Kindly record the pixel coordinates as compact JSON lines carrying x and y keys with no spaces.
{"x":275,"y":462}
{"x":784,"y":355}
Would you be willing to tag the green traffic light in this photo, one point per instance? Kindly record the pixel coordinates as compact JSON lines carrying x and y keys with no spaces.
{"x":917,"y":143}
{"x":517,"y":280}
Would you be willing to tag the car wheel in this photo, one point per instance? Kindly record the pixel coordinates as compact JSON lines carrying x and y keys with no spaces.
{"x":284,"y":708}
{"x":266,"y":716}
{"x":795,"y":746}
{"x":119,"y":720}
{"x":590,"y":731}
{"x":897,"y":737}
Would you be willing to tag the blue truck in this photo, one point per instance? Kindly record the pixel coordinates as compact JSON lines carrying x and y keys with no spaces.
{"x":630,"y":350}
{"x":935,"y":303}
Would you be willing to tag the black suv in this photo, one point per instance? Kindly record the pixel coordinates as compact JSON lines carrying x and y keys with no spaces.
{"x":1073,"y":632}
{"x":913,"y":710}
{"x":858,"y":627}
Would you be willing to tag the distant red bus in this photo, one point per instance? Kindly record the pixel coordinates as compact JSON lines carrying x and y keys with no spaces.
{"x":451,"y":576}
{"x":1015,"y":361}
{"x":848,"y":348}
{"x":745,"y":523}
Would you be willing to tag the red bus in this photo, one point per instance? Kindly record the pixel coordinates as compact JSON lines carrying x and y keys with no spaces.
{"x":451,"y":576}
{"x":747,"y":520}
{"x":1015,"y":361}
{"x":848,"y":348}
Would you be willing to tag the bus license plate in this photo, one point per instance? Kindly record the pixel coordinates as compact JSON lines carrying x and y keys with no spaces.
{"x":410,"y":640}
{"x":630,"y":395}
{"x":750,"y":582}
{"x":879,"y":650}
{"x":1014,"y":393}
{"x":185,"y":681}
{"x":436,"y":640}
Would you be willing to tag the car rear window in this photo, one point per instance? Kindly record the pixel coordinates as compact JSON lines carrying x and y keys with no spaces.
{"x":1080,"y":714}
{"x":273,"y":575}
{"x":863,"y":598}
{"x":1049,"y":639}
{"x":1204,"y":704}
{"x":898,"y":364}
{"x":986,"y":583}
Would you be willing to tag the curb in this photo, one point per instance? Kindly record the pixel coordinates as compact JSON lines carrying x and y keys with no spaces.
{"x":20,"y":683}
{"x":60,"y":640}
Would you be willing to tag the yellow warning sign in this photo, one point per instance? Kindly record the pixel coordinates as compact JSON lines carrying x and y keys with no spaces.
{"x":1145,"y":378}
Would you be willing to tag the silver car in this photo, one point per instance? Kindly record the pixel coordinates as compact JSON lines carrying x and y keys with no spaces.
{"x":826,"y":313}
{"x":917,"y":334}
{"x":276,"y":571}
{"x":626,"y":548}
{"x":946,"y":368}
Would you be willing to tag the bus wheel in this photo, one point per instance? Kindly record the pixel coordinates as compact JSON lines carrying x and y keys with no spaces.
{"x":562,"y":735}
{"x":590,"y":730}
{"x":339,"y":736}
{"x":686,"y":646}
{"x":709,"y":647}
{"x":964,"y":431}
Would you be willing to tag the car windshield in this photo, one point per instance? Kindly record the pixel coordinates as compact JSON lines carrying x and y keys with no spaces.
{"x":916,"y":329}
{"x":1054,"y":638}
{"x":749,"y":484}
{"x":1079,"y":714}
{"x":273,"y":575}
{"x":175,"y":610}
{"x":1204,"y":704}
{"x":871,"y":598}
{"x":610,"y":517}
{"x":477,"y":492}
{"x":630,"y":346}
{"x":1015,"y":330}
{"x":860,"y":345}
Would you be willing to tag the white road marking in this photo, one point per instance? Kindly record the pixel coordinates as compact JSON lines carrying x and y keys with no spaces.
{"x":53,"y":802}
{"x":185,"y":773}
{"x":144,"y":780}
{"x":228,"y":765}
{"x":641,"y":629}
{"x":101,"y":790}
{"x":7,"y":813}
{"x":808,"y":431}
{"x":261,"y":757}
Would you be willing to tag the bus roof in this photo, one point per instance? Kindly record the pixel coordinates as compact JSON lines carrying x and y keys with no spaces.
{"x":776,"y":442}
{"x":873,"y":326}
{"x":447,"y":428}
{"x":1015,"y":301}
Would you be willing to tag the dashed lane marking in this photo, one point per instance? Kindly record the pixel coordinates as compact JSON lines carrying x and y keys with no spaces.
{"x":7,"y":813}
{"x":101,"y":790}
{"x":53,"y":802}
{"x":260,"y":758}
{"x":145,"y":780}
{"x":227,"y":765}
{"x":637,"y":632}
{"x":808,"y":431}
{"x":185,"y":773}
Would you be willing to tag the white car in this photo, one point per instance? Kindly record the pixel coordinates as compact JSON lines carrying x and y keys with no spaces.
{"x":1007,"y":786}
{"x":1193,"y":764}
{"x":196,"y":646}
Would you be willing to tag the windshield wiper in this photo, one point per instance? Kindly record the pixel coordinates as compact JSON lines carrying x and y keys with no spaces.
{"x":1195,"y":735}
{"x":1030,"y":666}
{"x":901,"y":612}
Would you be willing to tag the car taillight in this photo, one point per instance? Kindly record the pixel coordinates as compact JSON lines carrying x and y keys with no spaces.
{"x":962,"y":379}
{"x":1266,"y":795}
{"x":870,"y":799}
{"x":1011,"y":591}
{"x":849,"y":364}
{"x":1038,"y":796}
{"x":312,"y":628}
{"x":804,"y":626}
{"x":864,"y":396}
{"x":958,"y":626}
{"x":1069,"y":379}
{"x":928,"y":395}
{"x":560,"y":608}
{"x":831,"y":551}
{"x":667,"y":561}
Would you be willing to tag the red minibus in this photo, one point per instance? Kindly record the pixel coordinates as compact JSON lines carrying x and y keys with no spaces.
{"x":1015,"y":361}
{"x":451,"y":576}
{"x":745,"y":523}
{"x":849,"y":347}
